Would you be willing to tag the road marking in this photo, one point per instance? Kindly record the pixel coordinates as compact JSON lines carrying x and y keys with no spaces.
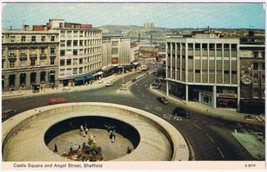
{"x":197,"y":126}
{"x":220,"y":151}
{"x":165,"y":116}
{"x":178,"y":118}
{"x":210,"y":138}
{"x":158,"y":108}
{"x":148,"y":107}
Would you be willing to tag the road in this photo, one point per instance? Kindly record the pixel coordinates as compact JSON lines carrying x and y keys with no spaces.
{"x":209,"y":138}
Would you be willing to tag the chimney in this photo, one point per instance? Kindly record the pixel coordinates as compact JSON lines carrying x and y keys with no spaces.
{"x":26,"y":27}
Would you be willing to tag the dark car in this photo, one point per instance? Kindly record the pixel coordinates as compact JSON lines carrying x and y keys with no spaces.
{"x":163,"y":100}
{"x":182,"y":112}
{"x":8,"y":113}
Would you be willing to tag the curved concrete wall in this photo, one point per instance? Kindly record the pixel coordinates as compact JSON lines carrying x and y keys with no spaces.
{"x":146,"y":124}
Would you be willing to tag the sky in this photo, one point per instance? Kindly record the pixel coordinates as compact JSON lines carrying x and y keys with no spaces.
{"x":162,"y":14}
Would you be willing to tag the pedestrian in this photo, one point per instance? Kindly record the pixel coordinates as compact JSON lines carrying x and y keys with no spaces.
{"x":55,"y":148}
{"x":129,"y":150}
{"x":71,"y":146}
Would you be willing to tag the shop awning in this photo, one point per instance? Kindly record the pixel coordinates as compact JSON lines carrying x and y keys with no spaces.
{"x":79,"y":79}
{"x":89,"y":76}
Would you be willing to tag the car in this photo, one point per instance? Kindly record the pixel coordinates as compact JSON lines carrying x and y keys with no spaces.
{"x":56,"y":100}
{"x":163,"y":100}
{"x":108,"y":84}
{"x":8,"y":112}
{"x":182,"y":112}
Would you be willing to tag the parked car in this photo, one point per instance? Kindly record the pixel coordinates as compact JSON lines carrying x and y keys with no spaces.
{"x":108,"y":84}
{"x":182,"y":112}
{"x":163,"y":100}
{"x":8,"y":113}
{"x":56,"y":100}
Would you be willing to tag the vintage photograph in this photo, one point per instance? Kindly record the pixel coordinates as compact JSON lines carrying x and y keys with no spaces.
{"x":94,"y":85}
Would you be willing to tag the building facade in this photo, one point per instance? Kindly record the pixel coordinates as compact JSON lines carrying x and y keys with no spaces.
{"x":29,"y":57}
{"x":80,"y":51}
{"x":252,"y":74}
{"x":203,"y":68}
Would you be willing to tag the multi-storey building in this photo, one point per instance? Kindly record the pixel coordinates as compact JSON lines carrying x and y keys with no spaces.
{"x":203,"y":68}
{"x":252,"y":74}
{"x":116,"y":53}
{"x":80,"y":51}
{"x":29,"y":56}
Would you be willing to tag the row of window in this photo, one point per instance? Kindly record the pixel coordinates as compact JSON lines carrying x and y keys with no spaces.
{"x":77,"y":61}
{"x":203,"y":46}
{"x":81,"y":33}
{"x":74,"y":52}
{"x":18,"y":38}
{"x":25,"y":63}
{"x":80,"y":70}
{"x":74,"y":43}
{"x":15,"y":52}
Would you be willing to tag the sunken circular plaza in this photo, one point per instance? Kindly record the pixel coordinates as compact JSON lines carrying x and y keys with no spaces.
{"x":28,"y":136}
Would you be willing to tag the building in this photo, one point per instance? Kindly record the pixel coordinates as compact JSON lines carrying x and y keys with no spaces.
{"x":252,"y":74}
{"x":29,"y":57}
{"x":203,"y":67}
{"x":80,"y":51}
{"x":116,"y":53}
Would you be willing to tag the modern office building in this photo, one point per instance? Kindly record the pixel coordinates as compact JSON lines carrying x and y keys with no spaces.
{"x":203,"y":67}
{"x":29,"y":57}
{"x":80,"y":51}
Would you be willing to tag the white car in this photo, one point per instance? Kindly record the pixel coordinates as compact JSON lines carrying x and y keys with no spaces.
{"x":108,"y":84}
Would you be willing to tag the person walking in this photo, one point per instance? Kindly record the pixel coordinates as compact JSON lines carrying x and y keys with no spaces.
{"x":55,"y":148}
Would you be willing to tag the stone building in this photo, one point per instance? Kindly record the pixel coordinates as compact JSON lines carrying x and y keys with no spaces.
{"x":29,"y":57}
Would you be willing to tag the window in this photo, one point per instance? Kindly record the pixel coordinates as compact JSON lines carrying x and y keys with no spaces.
{"x":52,"y":50}
{"x":42,"y":50}
{"x":263,"y":66}
{"x":255,"y":66}
{"x":190,"y":57}
{"x":219,"y":46}
{"x":33,"y":61}
{"x":212,"y":46}
{"x":75,"y":71}
{"x":115,"y":43}
{"x":23,"y":38}
{"x":234,"y":72}
{"x":62,"y":62}
{"x":62,"y":52}
{"x":12,"y":52}
{"x":33,"y":38}
{"x":226,"y":72}
{"x":75,"y":52}
{"x":69,"y":43}
{"x":52,"y":38}
{"x":197,"y":71}
{"x":23,"y":51}
{"x":62,"y":43}
{"x":114,"y":51}
{"x":43,"y":38}
{"x":75,"y":43}
{"x":226,"y":47}
{"x":197,"y":46}
{"x":52,"y":60}
{"x":68,"y":61}
{"x":81,"y":43}
{"x":80,"y":61}
{"x":233,"y":47}
{"x":204,"y":47}
{"x":190,"y":46}
{"x":12,"y":39}
{"x":11,"y":64}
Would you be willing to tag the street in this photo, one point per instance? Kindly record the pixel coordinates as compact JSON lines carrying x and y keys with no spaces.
{"x":209,"y":138}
